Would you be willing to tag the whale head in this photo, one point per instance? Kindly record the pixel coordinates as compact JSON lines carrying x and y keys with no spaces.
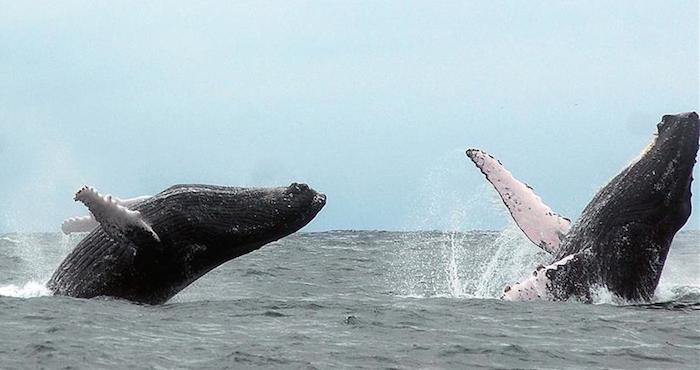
{"x":236,"y":216}
{"x":661,"y":178}
{"x":205,"y":226}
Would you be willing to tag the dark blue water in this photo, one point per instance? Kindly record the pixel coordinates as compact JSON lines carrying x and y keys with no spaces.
{"x":349,"y":299}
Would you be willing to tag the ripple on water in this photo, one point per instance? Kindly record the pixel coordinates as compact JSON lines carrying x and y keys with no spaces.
{"x":312,"y":315}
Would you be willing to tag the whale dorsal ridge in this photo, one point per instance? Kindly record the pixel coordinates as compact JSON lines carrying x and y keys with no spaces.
{"x":118,"y":221}
{"x":540,"y":224}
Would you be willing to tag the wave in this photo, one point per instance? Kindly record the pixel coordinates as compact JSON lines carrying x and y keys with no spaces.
{"x":9,"y":240}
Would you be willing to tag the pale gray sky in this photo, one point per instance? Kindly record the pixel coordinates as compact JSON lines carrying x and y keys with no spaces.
{"x":371,"y":102}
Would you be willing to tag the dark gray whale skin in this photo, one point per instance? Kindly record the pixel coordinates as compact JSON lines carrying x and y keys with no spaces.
{"x":200,"y":227}
{"x":624,"y":234}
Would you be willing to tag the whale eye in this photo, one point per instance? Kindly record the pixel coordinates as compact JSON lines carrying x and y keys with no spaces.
{"x":506,"y":289}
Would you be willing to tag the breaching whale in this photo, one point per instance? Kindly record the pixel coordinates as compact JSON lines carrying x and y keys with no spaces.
{"x":621,"y":240}
{"x":147,"y":249}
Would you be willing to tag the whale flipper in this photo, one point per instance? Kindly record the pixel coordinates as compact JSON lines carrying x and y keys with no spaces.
{"x":83,"y":224}
{"x":119,"y":222}
{"x":540,"y":224}
{"x":80,"y":224}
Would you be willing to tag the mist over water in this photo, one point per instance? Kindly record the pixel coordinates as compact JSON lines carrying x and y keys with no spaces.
{"x":30,"y":261}
{"x":449,"y":201}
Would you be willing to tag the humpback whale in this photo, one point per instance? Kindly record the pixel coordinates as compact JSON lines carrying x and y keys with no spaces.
{"x":147,"y":249}
{"x":621,"y":240}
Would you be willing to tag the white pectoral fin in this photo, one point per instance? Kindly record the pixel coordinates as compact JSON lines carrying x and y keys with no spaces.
{"x":81,"y":224}
{"x":120,"y":222}
{"x":540,"y":224}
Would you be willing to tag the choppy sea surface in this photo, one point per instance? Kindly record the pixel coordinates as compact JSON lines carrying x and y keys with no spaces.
{"x":349,"y":299}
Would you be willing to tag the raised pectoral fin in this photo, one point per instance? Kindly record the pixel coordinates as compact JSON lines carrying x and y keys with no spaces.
{"x":119,"y":222}
{"x":540,"y":224}
{"x":83,"y":224}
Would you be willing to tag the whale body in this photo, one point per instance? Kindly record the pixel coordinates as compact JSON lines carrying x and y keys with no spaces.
{"x":149,"y":249}
{"x":621,"y":240}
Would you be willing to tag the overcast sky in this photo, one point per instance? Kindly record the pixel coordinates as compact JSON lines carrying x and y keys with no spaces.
{"x":372,"y":103}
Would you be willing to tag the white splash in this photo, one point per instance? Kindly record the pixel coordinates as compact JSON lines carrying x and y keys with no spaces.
{"x":459,"y":263}
{"x":30,"y":289}
{"x":513,"y":257}
{"x":454,"y":282}
{"x":38,"y":256}
{"x":602,"y":295}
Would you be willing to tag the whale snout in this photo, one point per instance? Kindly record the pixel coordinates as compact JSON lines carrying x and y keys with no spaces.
{"x":682,"y":124}
{"x":304,"y":189}
{"x":303,"y":193}
{"x":675,"y":146}
{"x":320,"y":199}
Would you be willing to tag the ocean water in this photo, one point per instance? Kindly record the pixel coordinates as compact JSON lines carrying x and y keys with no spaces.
{"x":349,"y":299}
